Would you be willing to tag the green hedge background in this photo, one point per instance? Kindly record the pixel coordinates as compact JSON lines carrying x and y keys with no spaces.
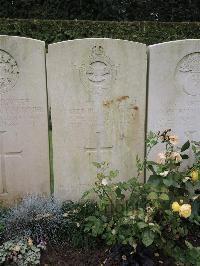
{"x":117,"y":10}
{"x":52,"y":31}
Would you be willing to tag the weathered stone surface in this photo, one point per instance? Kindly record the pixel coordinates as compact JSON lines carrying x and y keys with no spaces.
{"x":98,"y":95}
{"x":174,"y":88}
{"x":24,"y":163}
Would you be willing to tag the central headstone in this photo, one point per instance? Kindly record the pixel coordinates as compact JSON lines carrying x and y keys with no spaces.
{"x":98,"y":95}
{"x":24,"y":154}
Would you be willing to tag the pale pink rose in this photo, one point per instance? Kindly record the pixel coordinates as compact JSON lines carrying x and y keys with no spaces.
{"x":176,"y":156}
{"x":161,"y":158}
{"x":173,"y":139}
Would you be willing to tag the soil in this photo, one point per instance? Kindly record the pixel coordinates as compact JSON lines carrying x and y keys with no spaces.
{"x":68,"y":256}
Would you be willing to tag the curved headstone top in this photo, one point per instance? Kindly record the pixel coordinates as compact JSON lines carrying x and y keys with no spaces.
{"x":86,"y":40}
{"x":27,"y":39}
{"x":12,"y":60}
{"x":176,"y":42}
{"x":23,"y":118}
{"x":98,"y":96}
{"x":174,"y":88}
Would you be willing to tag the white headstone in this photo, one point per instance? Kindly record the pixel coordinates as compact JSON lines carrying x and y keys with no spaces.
{"x":174,"y":88}
{"x":98,"y":96}
{"x":24,"y":162}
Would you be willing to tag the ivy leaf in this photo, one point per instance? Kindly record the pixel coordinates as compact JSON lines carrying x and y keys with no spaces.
{"x":147,"y":238}
{"x":185,"y":146}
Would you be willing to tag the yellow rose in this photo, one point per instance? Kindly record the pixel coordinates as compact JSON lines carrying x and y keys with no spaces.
{"x":175,"y":206}
{"x":185,"y":210}
{"x":194,"y":175}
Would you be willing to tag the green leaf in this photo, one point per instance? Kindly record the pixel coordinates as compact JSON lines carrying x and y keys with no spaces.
{"x":150,"y":167}
{"x":188,"y":245}
{"x":168,"y":212}
{"x":154,"y":180}
{"x":168,"y":182}
{"x":151,"y":163}
{"x":164,"y":196}
{"x":91,"y":219}
{"x":176,"y":184}
{"x":184,"y":156}
{"x":191,"y":189}
{"x":142,"y":225}
{"x":119,"y":193}
{"x":97,"y":165}
{"x":85,"y":194}
{"x":163,"y":189}
{"x":114,"y":174}
{"x":147,"y":238}
{"x":152,"y":196}
{"x":185,"y":146}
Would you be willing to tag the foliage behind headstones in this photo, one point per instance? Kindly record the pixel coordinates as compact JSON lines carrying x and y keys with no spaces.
{"x":153,"y":10}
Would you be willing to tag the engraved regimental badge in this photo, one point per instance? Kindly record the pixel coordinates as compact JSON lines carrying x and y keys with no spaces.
{"x":187,"y":75}
{"x":9,"y":72}
{"x":97,"y":73}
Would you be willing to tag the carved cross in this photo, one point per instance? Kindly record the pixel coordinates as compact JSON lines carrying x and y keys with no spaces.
{"x":94,"y":149}
{"x":3,"y":156}
{"x":98,"y":150}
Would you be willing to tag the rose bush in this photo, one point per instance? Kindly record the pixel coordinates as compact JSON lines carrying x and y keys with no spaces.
{"x":160,"y":213}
